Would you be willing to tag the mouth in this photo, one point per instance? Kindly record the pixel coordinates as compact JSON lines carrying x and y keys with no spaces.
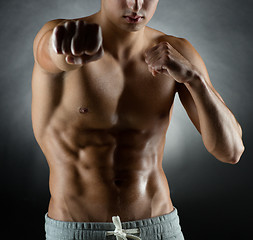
{"x":132,"y":19}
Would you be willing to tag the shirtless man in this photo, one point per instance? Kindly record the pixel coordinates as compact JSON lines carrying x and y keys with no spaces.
{"x":103,"y":88}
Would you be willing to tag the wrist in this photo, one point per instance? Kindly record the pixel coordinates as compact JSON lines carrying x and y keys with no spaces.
{"x":197,"y":81}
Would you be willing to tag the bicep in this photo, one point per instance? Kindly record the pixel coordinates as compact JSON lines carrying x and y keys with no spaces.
{"x":46,"y":95}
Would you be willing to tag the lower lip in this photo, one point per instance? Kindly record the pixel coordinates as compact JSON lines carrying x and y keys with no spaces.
{"x":132,"y":20}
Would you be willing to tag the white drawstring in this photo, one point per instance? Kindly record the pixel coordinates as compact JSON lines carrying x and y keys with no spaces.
{"x":122,"y":233}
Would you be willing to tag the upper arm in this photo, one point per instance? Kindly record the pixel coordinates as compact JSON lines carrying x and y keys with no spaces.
{"x":46,"y":96}
{"x":44,"y":84}
{"x":189,"y":52}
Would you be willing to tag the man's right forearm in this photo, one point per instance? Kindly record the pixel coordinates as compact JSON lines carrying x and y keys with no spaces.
{"x":48,"y":59}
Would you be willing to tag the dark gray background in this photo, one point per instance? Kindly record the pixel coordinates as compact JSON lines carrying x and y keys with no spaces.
{"x":214,"y":199}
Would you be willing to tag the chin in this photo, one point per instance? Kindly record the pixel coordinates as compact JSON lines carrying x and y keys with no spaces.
{"x":132,"y":28}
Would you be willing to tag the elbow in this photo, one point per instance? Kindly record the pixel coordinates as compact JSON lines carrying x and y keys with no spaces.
{"x":232,"y":158}
{"x":237,"y":156}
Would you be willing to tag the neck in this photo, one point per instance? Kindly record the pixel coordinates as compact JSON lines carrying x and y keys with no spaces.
{"x":122,"y":44}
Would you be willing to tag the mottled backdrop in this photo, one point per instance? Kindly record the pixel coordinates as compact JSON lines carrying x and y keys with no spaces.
{"x":214,"y":199}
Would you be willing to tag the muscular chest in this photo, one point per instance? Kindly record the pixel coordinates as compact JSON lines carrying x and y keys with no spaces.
{"x":105,"y":93}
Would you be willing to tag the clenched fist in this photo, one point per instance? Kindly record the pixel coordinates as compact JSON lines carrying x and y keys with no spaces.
{"x":165,"y":59}
{"x":80,"y":41}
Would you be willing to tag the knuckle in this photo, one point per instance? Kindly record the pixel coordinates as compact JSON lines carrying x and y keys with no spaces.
{"x":77,"y":22}
{"x":69,"y":25}
{"x":58,"y":30}
{"x":165,"y":46}
{"x":66,"y":24}
{"x":59,"y":34}
{"x":167,"y":51}
{"x":168,"y":57}
{"x":80,"y":24}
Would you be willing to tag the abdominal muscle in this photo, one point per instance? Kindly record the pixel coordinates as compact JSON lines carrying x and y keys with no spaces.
{"x":92,"y":181}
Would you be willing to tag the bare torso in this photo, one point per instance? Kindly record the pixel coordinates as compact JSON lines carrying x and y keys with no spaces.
{"x":104,"y":130}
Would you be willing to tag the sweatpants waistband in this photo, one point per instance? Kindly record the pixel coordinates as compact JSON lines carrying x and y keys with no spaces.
{"x":149,"y":228}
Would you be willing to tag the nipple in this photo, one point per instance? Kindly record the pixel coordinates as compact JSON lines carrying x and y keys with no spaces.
{"x":83,"y":110}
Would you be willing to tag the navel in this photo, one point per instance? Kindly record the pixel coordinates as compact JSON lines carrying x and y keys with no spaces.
{"x":83,"y":110}
{"x":118,"y":183}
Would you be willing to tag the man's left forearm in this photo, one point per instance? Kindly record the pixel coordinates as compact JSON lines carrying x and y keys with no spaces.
{"x":221,"y":133}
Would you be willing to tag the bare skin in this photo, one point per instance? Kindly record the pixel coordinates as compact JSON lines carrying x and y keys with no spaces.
{"x":107,"y":160}
{"x":102,"y":128}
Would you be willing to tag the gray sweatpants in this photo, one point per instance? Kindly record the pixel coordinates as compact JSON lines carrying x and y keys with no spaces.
{"x":164,"y":227}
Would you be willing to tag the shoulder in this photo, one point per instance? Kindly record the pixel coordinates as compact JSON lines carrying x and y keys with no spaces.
{"x":89,"y":19}
{"x":182,"y":45}
{"x":157,"y":36}
{"x":189,"y":52}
